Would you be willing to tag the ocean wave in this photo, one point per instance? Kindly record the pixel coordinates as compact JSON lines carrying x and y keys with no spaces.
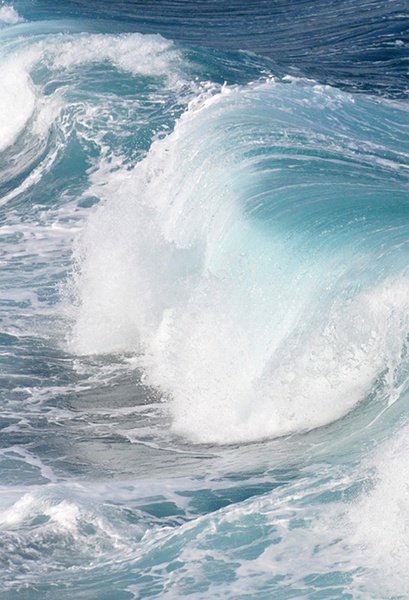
{"x":224,"y":258}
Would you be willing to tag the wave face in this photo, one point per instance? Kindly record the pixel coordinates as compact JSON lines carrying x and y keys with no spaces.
{"x":204,"y":324}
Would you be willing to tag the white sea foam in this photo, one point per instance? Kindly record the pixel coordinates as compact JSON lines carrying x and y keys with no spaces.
{"x":379,"y":521}
{"x":66,"y":531}
{"x":138,"y":54}
{"x":9,"y":15}
{"x":17,"y":100}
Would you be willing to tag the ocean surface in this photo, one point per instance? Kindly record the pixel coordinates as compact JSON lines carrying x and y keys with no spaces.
{"x":204,"y":299}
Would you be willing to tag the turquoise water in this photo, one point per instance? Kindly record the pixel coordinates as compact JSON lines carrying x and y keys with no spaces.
{"x":204,"y":300}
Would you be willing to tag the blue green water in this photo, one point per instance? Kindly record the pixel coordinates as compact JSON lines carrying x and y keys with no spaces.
{"x":204,"y":299}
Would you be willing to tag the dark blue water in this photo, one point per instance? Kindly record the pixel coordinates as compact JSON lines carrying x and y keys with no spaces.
{"x":204,"y":299}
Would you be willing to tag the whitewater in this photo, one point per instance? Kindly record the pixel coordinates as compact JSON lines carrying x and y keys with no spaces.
{"x":204,"y":361}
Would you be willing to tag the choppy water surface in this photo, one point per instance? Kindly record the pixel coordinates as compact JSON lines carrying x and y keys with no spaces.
{"x":204,"y":300}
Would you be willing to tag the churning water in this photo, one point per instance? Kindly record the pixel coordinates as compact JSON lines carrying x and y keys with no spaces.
{"x":204,"y":299}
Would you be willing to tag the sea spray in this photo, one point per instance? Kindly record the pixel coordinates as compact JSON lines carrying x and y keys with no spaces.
{"x":249,"y":329}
